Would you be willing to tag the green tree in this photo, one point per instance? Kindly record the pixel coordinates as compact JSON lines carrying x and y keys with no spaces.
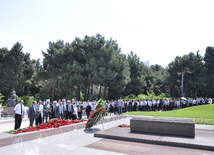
{"x":52,"y":63}
{"x":184,"y":70}
{"x":209,"y":71}
{"x":118,"y":84}
{"x":16,"y":70}
{"x":159,"y":76}
{"x":137,"y":69}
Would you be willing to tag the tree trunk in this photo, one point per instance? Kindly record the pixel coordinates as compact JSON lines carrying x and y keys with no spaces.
{"x":85,"y":95}
{"x":100,"y":92}
{"x":182,"y":82}
{"x":185,"y":93}
{"x":53,"y":88}
{"x":87,"y":98}
{"x":66,"y":94}
{"x":105,"y":93}
{"x":169,"y":91}
{"x":91,"y":93}
{"x":78,"y":93}
{"x":196,"y":91}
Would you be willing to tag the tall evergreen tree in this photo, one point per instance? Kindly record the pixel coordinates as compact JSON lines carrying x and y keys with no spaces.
{"x":184,"y":70}
{"x":137,"y":69}
{"x":52,"y":63}
{"x":209,"y":71}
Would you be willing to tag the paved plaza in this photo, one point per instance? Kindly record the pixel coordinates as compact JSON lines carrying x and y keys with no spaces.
{"x":74,"y":139}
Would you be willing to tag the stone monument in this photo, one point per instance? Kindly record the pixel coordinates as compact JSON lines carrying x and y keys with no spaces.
{"x":12,"y":101}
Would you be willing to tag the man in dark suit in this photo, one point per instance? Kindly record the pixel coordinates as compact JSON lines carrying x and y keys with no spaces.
{"x":69,"y":110}
{"x":80,"y":107}
{"x":55,"y":110}
{"x":32,"y":113}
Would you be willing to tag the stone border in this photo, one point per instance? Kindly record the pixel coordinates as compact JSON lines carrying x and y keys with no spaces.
{"x":174,"y":127}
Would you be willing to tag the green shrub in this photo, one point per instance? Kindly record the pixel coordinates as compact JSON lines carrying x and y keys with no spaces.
{"x":1,"y":100}
{"x":148,"y":96}
{"x":28,"y":100}
{"x":204,"y":121}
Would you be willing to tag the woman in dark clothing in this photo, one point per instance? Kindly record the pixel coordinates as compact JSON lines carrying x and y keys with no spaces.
{"x":88,"y":110}
{"x":111,"y":109}
{"x":130,"y":106}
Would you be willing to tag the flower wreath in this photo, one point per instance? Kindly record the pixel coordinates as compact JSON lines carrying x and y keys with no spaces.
{"x":96,"y":115}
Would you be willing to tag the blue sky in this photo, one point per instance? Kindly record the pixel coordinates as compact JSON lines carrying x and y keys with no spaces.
{"x":155,"y":30}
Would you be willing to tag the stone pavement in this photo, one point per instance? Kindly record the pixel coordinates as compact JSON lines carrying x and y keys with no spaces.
{"x":135,"y":148}
{"x":77,"y":141}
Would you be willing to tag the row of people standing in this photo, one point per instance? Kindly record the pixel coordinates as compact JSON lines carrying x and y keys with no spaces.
{"x":154,"y":104}
{"x":44,"y":111}
{"x":40,"y":112}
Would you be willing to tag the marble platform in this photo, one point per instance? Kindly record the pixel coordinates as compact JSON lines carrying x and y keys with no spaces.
{"x":79,"y":141}
{"x":204,"y":138}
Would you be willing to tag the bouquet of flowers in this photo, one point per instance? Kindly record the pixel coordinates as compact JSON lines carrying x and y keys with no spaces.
{"x":49,"y":109}
{"x":96,"y":115}
{"x":124,"y":126}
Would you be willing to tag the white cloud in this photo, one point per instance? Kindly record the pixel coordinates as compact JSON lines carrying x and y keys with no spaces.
{"x":7,"y":40}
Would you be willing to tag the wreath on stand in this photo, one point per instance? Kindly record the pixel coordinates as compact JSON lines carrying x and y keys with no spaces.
{"x":97,"y":115}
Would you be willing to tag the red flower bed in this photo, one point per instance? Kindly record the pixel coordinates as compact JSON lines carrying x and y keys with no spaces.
{"x":51,"y":124}
{"x":124,"y":126}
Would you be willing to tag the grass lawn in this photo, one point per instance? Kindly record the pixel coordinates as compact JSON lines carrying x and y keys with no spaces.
{"x":203,"y":114}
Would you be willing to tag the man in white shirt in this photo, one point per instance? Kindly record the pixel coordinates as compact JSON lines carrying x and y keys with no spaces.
{"x":150,"y":105}
{"x":120,"y":106}
{"x":39,"y":119}
{"x":64,"y":108}
{"x":75,"y":113}
{"x":61,"y":110}
{"x":144,"y":105}
{"x":19,"y":112}
{"x":46,"y":105}
{"x":92,"y":106}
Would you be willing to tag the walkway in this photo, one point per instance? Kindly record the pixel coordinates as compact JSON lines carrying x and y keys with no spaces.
{"x":77,"y":141}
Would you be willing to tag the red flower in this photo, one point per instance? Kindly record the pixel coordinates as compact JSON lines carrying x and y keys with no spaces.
{"x":124,"y":126}
{"x":51,"y":124}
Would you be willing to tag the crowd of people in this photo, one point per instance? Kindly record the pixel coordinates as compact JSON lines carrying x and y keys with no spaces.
{"x":114,"y":107}
{"x":42,"y":111}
